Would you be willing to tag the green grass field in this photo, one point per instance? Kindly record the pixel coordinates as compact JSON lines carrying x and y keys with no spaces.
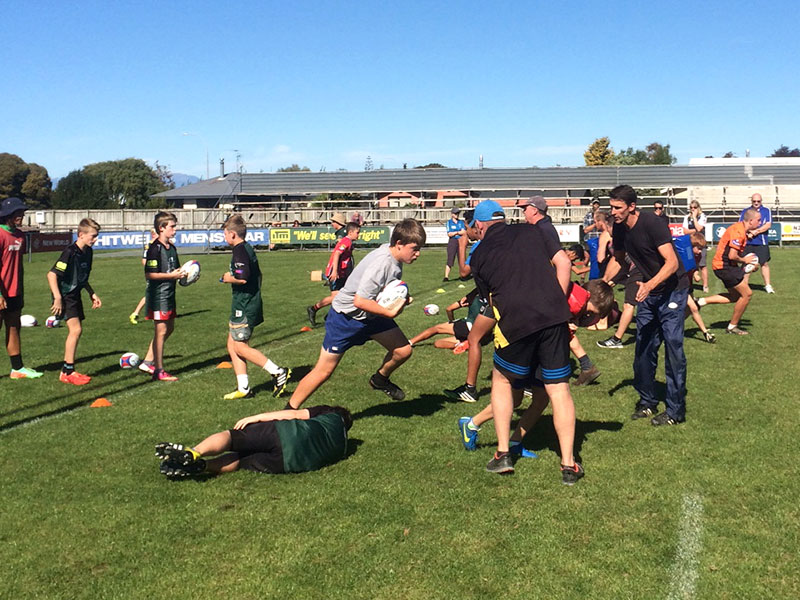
{"x":707,"y":509}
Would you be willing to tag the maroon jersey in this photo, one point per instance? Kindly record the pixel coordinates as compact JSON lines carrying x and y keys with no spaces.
{"x":12,"y":251}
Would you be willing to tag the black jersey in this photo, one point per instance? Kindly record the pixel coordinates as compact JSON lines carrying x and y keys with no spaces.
{"x":246,"y":298}
{"x":513,"y":271}
{"x":160,"y":259}
{"x":642,"y":242}
{"x":72,"y":269}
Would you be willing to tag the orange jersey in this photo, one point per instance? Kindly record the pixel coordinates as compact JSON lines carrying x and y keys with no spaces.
{"x":735,"y":236}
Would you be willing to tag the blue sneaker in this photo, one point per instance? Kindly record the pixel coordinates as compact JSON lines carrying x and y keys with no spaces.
{"x":517,"y":449}
{"x":469,"y":437}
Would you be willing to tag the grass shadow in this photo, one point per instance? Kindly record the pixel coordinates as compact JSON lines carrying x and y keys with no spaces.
{"x":423,"y":406}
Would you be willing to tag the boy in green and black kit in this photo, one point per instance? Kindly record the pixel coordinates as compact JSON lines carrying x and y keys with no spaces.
{"x":68,"y":277}
{"x":161,"y":270}
{"x":247,"y":312}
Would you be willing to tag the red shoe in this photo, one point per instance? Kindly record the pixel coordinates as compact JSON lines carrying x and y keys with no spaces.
{"x":461,"y":347}
{"x":74,"y":378}
{"x":163,"y":376}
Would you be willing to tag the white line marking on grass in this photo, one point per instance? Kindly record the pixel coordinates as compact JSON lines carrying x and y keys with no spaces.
{"x":134,"y":391}
{"x":683,"y":573}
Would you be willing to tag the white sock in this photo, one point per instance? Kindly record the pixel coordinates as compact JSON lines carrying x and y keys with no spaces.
{"x":701,"y":302}
{"x":472,"y":427}
{"x":731,"y":326}
{"x":272,"y":368}
{"x":243,"y":382}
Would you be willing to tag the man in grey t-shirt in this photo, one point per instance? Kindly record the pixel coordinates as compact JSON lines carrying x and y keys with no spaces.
{"x":356,"y":317}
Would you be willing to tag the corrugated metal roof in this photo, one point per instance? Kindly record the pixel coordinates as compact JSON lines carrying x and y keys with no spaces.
{"x":488,"y":180}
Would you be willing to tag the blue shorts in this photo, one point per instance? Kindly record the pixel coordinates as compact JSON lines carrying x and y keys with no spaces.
{"x":343,"y":332}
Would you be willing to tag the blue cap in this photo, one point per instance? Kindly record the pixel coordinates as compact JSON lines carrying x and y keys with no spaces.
{"x":489,"y":210}
{"x":11,"y":205}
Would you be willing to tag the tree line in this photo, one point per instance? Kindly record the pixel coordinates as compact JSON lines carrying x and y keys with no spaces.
{"x":126,"y":183}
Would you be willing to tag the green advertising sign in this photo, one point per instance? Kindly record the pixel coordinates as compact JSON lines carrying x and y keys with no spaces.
{"x":325,"y":236}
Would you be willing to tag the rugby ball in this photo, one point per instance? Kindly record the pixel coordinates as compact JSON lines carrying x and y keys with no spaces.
{"x":52,"y":321}
{"x":28,"y":321}
{"x":430,"y":309}
{"x":129,"y":360}
{"x":192,"y":270}
{"x":752,"y":266}
{"x":394,"y":291}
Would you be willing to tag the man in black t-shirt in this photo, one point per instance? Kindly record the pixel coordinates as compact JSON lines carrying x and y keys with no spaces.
{"x":646,"y":239}
{"x":513,"y":272}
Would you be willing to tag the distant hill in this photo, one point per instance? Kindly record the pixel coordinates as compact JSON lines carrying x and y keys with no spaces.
{"x":181,"y":179}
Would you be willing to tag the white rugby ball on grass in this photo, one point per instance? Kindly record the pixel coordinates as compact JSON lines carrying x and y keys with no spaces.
{"x":28,"y":321}
{"x":431,"y":309}
{"x":192,"y":270}
{"x":393,"y":292}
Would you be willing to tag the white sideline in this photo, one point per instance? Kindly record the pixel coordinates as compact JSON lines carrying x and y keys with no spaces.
{"x":684,"y":573}
{"x":133,"y":392}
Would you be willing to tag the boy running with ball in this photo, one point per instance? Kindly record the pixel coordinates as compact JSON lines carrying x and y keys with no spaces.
{"x":68,"y":277}
{"x":244,"y":278}
{"x":356,"y":317}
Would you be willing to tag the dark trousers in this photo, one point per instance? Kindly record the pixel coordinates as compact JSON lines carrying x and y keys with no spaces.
{"x":660,"y":319}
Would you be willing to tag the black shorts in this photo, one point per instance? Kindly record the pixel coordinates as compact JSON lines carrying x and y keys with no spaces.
{"x":461,"y":331}
{"x":761,"y":251}
{"x":631,"y":287}
{"x":336,"y":284}
{"x":730,"y":276}
{"x":14,"y":304}
{"x":71,"y":307}
{"x":452,"y":251}
{"x":259,"y":447}
{"x":547,"y":348}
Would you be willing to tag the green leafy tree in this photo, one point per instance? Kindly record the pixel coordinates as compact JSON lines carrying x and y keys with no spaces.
{"x":27,"y":181}
{"x":129,"y":182}
{"x":293,"y":168}
{"x":599,"y":152}
{"x":653,"y":154}
{"x":784,"y":152}
{"x":432,"y":166}
{"x":82,"y":190}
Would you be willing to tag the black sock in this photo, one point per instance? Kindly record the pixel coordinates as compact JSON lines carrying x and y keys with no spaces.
{"x":68,"y":368}
{"x":380,"y":379}
{"x":16,"y":362}
{"x":585,"y":362}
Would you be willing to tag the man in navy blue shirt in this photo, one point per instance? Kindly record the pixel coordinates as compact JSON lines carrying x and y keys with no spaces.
{"x":759,"y":240}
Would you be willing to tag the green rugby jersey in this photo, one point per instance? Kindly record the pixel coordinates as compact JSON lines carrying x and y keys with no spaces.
{"x":160,"y":259}
{"x":72,"y":269}
{"x":314,"y":443}
{"x":246,"y":298}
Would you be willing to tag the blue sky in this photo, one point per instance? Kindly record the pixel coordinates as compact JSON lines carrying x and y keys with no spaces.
{"x":325,"y":84}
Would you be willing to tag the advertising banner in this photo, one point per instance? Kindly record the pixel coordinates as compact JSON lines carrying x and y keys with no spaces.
{"x":49,"y":242}
{"x":776,"y":233}
{"x":789,"y":231}
{"x":122,"y":240}
{"x":306,"y":236}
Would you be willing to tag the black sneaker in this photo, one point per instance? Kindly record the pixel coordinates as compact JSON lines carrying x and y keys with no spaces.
{"x":465,"y":393}
{"x":611,"y":342}
{"x":588,"y":376}
{"x":280,"y":381}
{"x":642,"y":412}
{"x":710,"y":338}
{"x":502,"y":465}
{"x":387,"y":387}
{"x":176,"y":453}
{"x":569,"y":475}
{"x":312,"y":315}
{"x":173,"y":470}
{"x":663,"y":419}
